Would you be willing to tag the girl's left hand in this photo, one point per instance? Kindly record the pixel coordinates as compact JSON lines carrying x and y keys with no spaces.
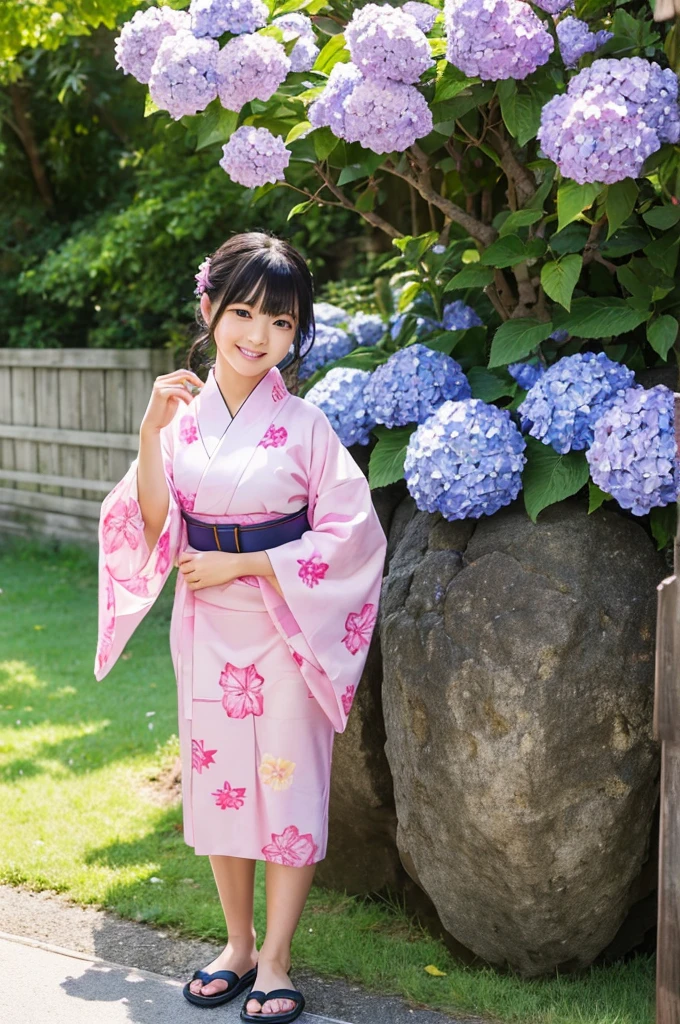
{"x":208,"y":568}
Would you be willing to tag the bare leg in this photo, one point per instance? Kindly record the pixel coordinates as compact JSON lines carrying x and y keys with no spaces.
{"x":235,"y":878}
{"x":287,"y":891}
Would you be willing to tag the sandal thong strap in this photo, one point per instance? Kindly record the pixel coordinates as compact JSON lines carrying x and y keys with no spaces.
{"x":284,"y":993}
{"x":256,"y":994}
{"x":228,"y":976}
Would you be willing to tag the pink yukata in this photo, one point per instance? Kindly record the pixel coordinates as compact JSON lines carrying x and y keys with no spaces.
{"x":264,"y":681}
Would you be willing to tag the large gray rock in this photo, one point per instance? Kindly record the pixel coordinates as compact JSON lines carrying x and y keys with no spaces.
{"x":362,"y":852}
{"x":517,"y":696}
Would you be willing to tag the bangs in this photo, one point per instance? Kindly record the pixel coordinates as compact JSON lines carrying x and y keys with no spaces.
{"x":274,"y":282}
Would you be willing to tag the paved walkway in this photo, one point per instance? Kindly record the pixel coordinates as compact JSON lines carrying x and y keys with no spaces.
{"x":51,"y":985}
{"x":66,"y":964}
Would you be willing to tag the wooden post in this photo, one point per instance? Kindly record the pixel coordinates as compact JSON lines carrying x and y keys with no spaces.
{"x":667,"y":731}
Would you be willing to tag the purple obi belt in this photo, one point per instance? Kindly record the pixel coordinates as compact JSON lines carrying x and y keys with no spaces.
{"x":235,"y":538}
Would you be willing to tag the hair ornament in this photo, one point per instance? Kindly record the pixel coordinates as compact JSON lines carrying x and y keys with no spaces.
{"x":203,"y":281}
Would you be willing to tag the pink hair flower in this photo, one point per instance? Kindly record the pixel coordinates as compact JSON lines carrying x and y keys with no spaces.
{"x":203,"y":281}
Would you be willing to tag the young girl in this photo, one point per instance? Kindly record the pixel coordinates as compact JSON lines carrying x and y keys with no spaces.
{"x":247,"y":489}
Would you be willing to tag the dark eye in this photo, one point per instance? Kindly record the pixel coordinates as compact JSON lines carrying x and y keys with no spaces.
{"x":285,"y":323}
{"x":242,"y":311}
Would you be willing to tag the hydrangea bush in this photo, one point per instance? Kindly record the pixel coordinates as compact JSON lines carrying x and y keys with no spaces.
{"x":522,"y":160}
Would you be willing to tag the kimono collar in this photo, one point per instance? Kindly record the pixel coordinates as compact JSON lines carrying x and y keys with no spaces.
{"x":261,"y":406}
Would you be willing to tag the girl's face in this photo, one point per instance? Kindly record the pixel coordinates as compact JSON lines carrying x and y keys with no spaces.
{"x":250,"y":341}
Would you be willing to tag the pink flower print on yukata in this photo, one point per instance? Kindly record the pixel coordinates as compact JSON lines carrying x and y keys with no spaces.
{"x":123,"y":524}
{"x":275,"y":437}
{"x":359,"y":626}
{"x":278,"y":391}
{"x":186,"y":501}
{"x":200,"y":757}
{"x":188,"y":432}
{"x":110,"y":599}
{"x":105,"y":644}
{"x":242,"y":688}
{"x":163,"y":556}
{"x":348,"y":699}
{"x":137,"y":585}
{"x":291,"y":848}
{"x":312,"y":570}
{"x":230,"y":797}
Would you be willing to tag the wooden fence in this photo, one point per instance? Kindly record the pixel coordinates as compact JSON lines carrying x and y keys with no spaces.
{"x":69,"y":429}
{"x":667,"y":731}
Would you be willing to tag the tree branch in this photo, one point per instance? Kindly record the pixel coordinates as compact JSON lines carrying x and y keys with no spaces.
{"x":374,"y":219}
{"x":481,"y":232}
{"x":521,"y":181}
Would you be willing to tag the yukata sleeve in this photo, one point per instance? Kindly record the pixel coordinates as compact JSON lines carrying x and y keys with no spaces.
{"x":331,"y":577}
{"x":130,"y":575}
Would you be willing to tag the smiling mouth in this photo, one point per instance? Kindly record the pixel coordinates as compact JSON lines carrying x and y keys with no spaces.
{"x":248,"y":354}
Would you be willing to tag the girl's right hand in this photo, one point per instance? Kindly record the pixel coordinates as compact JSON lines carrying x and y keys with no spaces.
{"x":168,"y":390}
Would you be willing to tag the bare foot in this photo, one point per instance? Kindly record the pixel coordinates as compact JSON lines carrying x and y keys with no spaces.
{"x":229,"y":959}
{"x":271,"y":974}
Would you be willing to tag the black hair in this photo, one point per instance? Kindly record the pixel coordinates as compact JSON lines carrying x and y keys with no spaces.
{"x":254,"y":265}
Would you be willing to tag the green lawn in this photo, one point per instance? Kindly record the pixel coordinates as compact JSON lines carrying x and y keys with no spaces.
{"x":79,"y":815}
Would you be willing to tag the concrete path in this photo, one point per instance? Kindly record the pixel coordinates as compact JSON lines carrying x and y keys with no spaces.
{"x":61,"y":963}
{"x":51,"y":985}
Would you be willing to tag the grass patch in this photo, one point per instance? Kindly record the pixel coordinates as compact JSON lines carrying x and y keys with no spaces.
{"x":78,"y":814}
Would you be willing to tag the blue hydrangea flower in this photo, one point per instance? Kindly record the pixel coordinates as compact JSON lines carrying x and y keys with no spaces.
{"x":458,"y":317}
{"x":465,"y":460}
{"x":412,"y":384}
{"x":424,"y":325}
{"x":367,"y":328}
{"x":525,"y":374}
{"x":633,"y":456}
{"x":562,"y":406}
{"x":330,"y":343}
{"x":559,"y":336}
{"x":341,"y":395}
{"x":183,"y":76}
{"x":328,"y":314}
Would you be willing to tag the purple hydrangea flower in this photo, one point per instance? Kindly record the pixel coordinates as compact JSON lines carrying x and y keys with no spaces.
{"x":525,"y":374}
{"x":559,"y":336}
{"x":647,"y":91}
{"x":340,"y":394}
{"x":575,"y":39}
{"x":367,"y":328}
{"x":562,"y":406}
{"x":328,"y":314}
{"x":458,"y":317}
{"x":140,"y":39}
{"x":633,"y":456}
{"x":213,"y":17}
{"x":305,"y":51}
{"x":183,"y":77}
{"x":554,"y":6}
{"x":612,"y":117}
{"x":414,"y":382}
{"x":250,"y":67}
{"x":495,"y":39}
{"x":386,"y":44}
{"x":254,"y":156}
{"x":423,"y":14}
{"x":328,"y":110}
{"x":386,"y":116}
{"x":330,"y":343}
{"x":465,"y":461}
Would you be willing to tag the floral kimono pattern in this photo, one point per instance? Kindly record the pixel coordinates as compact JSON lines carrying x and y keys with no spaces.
{"x":264,"y":681}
